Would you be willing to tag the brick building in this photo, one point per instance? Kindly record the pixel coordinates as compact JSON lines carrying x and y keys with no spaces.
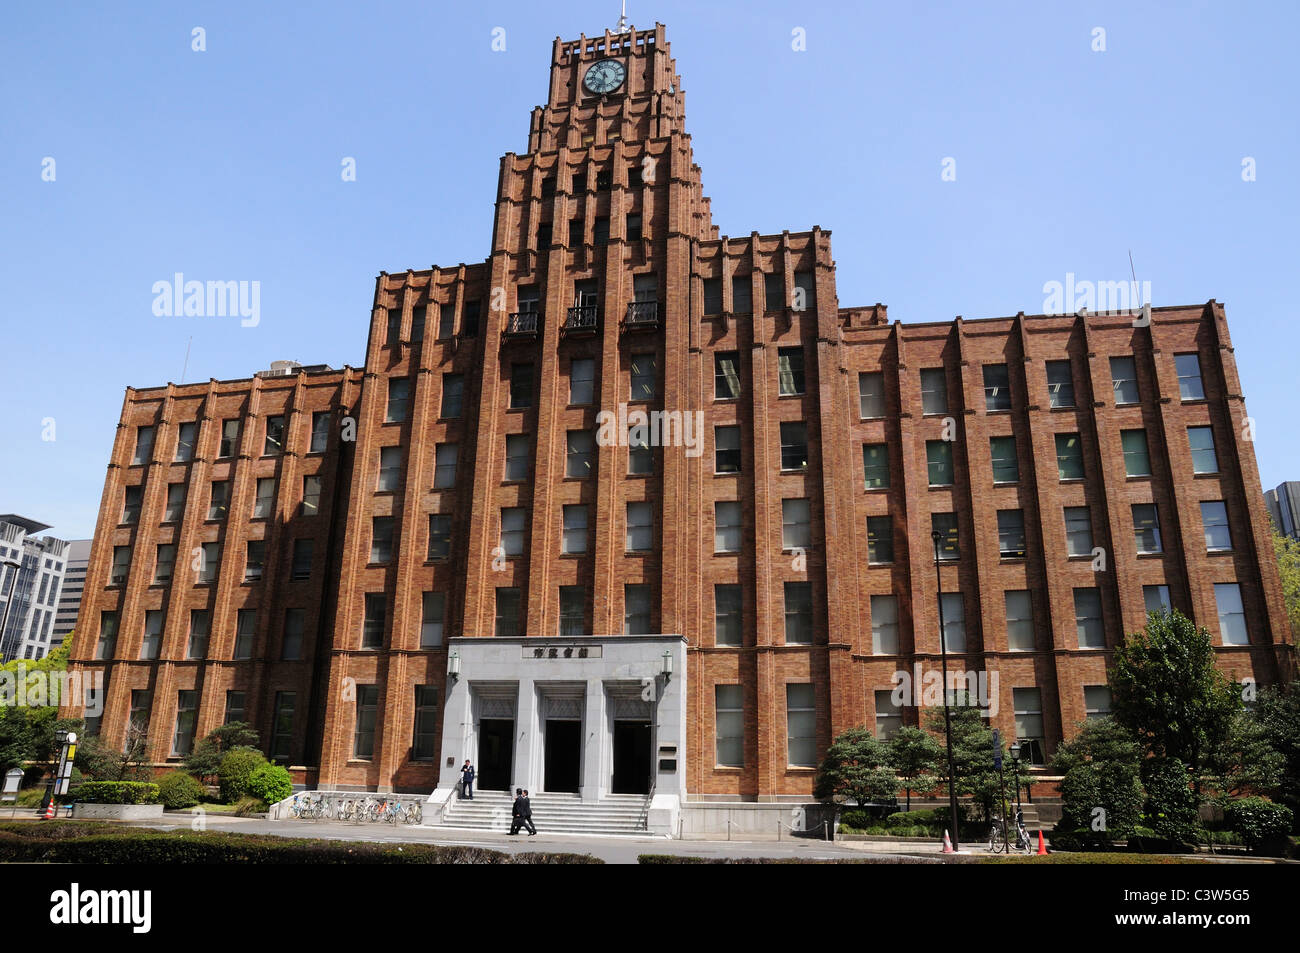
{"x":471,"y":548}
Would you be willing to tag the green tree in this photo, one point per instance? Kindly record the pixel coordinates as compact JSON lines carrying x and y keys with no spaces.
{"x":1287,"y":551}
{"x":100,"y":761}
{"x":236,"y":769}
{"x":1244,"y":761}
{"x":1171,"y":801}
{"x":1100,"y":769}
{"x":1278,"y":713}
{"x":204,"y":761}
{"x":857,"y":768}
{"x":972,"y":754}
{"x":916,"y":757}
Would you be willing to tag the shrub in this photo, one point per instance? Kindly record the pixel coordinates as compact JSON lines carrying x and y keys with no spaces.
{"x":249,"y":806}
{"x":236,"y":769}
{"x":118,"y":792}
{"x":179,"y":789}
{"x":270,"y":782}
{"x":1171,"y":806}
{"x":1257,"y":820}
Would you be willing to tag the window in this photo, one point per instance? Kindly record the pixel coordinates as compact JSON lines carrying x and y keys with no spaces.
{"x":229,"y":438}
{"x":1006,"y":467}
{"x":1028,"y":706}
{"x":875,"y":465}
{"x":574,"y":538}
{"x":954,"y":621}
{"x":185,"y":435}
{"x":439,"y":535}
{"x":1156,"y":598}
{"x":256,"y":555}
{"x":712,"y":296}
{"x":363,"y":742}
{"x":245,"y":629}
{"x":798,"y":613}
{"x":513,"y":520}
{"x":640,"y":528}
{"x":394,"y":330}
{"x":165,"y":564}
{"x":320,"y":431}
{"x":727,"y":618}
{"x":800,"y":726}
{"x":938,"y":462}
{"x":726,"y":375}
{"x":1020,"y":621}
{"x":796,"y":524}
{"x":729,"y":725}
{"x":372,"y":625}
{"x":141,"y":704}
{"x":107,"y":643}
{"x":633,"y":228}
{"x":1214,"y":520}
{"x":880,"y":539}
{"x":264,"y":504}
{"x":453,"y":386}
{"x":945,"y":524}
{"x":573,"y":611}
{"x":153,"y":626}
{"x":884,"y":625}
{"x":805,"y":291}
{"x":295,"y":621}
{"x":789,"y":366}
{"x":774,"y":291}
{"x":399,"y":396}
{"x":302,"y":554}
{"x":1123,"y":378}
{"x":423,"y":747}
{"x":742,"y":294}
{"x":794,"y":445}
{"x":600,"y":231}
{"x":1078,"y":531}
{"x":507,"y":618}
{"x":1201,"y":441}
{"x":175,"y":503}
{"x":131,"y":498}
{"x":1137,"y":462}
{"x":548,"y":186}
{"x":579,"y":453}
{"x":582,"y":380}
{"x":934,"y":391}
{"x":418,"y":316}
{"x":390,"y":469}
{"x":1069,"y":456}
{"x":640,"y":458}
{"x":282,"y":727}
{"x":1146,"y":528}
{"x":235,"y":707}
{"x":1232,"y":617}
{"x":121,"y":566}
{"x":726,"y":449}
{"x":446,"y":321}
{"x":997,"y":387}
{"x":1011,"y":534}
{"x":445,"y":457}
{"x":727,"y":527}
{"x":889,"y":715}
{"x":1087,"y":618}
{"x":209,"y":561}
{"x":521,"y":386}
{"x":274,"y":443}
{"x":577,"y":227}
{"x":200,"y":627}
{"x":871,"y":394}
{"x":1190,"y":385}
{"x":469,"y":319}
{"x":381,"y":539}
{"x":1060,"y":384}
{"x":636,"y":609}
{"x":311,"y":495}
{"x":1096,"y":701}
{"x":143,"y":445}
{"x":432,"y":608}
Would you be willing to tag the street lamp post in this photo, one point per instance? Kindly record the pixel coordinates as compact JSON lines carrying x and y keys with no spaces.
{"x":936,"y":536}
{"x":1015,"y":768}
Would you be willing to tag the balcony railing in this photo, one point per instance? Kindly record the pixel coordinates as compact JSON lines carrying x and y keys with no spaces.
{"x":641,"y":314}
{"x":582,"y":318}
{"x":523,"y":324}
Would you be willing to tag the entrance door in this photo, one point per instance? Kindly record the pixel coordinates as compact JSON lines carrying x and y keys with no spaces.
{"x":631,"y":757}
{"x":496,"y":745}
{"x":563,"y":755}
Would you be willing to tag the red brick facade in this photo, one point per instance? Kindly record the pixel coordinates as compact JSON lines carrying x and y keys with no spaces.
{"x":594,"y":164}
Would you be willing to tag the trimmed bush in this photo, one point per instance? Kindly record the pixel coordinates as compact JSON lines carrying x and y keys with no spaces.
{"x":118,"y":792}
{"x":236,"y":769}
{"x":249,"y":806}
{"x":1257,"y":820}
{"x":270,"y":782}
{"x":179,"y":789}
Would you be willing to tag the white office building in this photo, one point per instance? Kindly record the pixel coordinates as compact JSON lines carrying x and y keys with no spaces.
{"x":31,"y":578}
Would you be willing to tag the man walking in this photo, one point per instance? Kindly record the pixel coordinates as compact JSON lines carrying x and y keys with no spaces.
{"x":526,"y":814}
{"x":515,"y":819}
{"x":467,"y":781}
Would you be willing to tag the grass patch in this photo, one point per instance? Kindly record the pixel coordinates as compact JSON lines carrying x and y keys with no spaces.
{"x":1092,"y":857}
{"x":688,"y":859}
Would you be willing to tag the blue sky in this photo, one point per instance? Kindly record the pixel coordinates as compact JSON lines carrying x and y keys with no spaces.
{"x":225,"y":165}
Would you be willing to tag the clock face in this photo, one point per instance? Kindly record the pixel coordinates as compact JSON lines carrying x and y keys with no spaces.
{"x":605,"y":77}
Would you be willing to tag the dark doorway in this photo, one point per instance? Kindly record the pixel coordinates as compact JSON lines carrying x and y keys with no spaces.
{"x":563,"y":755}
{"x":631,"y":757}
{"x":496,"y":746}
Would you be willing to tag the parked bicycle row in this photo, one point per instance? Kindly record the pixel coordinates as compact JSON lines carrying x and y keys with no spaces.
{"x":359,"y":810}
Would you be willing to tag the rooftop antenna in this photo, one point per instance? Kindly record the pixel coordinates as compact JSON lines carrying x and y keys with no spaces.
{"x":186,"y":366}
{"x":622,"y":18}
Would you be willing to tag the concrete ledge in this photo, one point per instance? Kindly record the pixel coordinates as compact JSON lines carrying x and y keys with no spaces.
{"x":117,"y":812}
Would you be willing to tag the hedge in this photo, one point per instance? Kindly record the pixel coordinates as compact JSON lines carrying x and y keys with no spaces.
{"x":270,"y":783}
{"x":178,"y":789}
{"x":118,"y":792}
{"x":686,"y":859}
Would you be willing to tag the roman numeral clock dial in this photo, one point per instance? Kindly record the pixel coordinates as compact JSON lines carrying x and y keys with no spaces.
{"x":605,"y":77}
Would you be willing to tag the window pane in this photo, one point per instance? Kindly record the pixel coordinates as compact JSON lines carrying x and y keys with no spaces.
{"x":517,"y":456}
{"x":880,"y":539}
{"x":789,"y":365}
{"x":1078,"y":531}
{"x":582,"y":380}
{"x":1060,"y":384}
{"x":1232,"y":617}
{"x":727,"y":529}
{"x":432,"y":607}
{"x":1087,"y":617}
{"x":871,"y":394}
{"x":953,"y":607}
{"x":1137,"y":462}
{"x":640,"y":528}
{"x":938,"y":460}
{"x":1201,"y":441}
{"x":636,"y":605}
{"x":643,"y":377}
{"x":726,"y":443}
{"x":875,"y":465}
{"x":884,"y":625}
{"x":801,"y":726}
{"x":1069,"y":456}
{"x":445,"y":457}
{"x":1020,"y":621}
{"x":742,"y":294}
{"x":727,"y":615}
{"x":997,"y":387}
{"x":798,"y":613}
{"x":1190,"y":386}
{"x":1123,"y":379}
{"x":726,"y":375}
{"x":399,"y":394}
{"x":507,"y":620}
{"x":1146,"y":528}
{"x":794,"y":445}
{"x":579,"y":454}
{"x":1011,"y":534}
{"x":945,"y":524}
{"x":729,"y":725}
{"x":796,"y":524}
{"x":1156,"y":598}
{"x":1006,"y":467}
{"x":1214,"y":519}
{"x":573,"y":602}
{"x":574,"y":537}
{"x":934,"y":391}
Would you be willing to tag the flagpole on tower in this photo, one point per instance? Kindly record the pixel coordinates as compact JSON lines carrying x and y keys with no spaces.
{"x":622,"y":18}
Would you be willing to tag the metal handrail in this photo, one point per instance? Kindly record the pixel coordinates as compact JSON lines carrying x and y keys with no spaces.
{"x":523,"y":322}
{"x":642,"y":312}
{"x":582,"y":317}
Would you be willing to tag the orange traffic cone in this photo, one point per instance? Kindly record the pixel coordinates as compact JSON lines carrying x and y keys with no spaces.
{"x":1042,"y":848}
{"x":49,"y":814}
{"x":947,"y":844}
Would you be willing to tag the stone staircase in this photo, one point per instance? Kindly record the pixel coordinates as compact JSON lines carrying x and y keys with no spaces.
{"x":552,"y":813}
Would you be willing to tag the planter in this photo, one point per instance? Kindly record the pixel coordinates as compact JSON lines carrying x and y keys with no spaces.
{"x":116,"y":812}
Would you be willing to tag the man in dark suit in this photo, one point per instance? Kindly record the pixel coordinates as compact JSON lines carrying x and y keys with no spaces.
{"x":467,"y":781}
{"x":515,"y":818}
{"x":526,"y":814}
